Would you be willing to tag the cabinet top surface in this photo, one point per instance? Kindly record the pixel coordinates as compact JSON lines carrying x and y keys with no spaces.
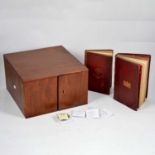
{"x":43,"y":63}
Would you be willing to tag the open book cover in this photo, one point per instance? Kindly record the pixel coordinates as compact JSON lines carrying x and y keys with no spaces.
{"x":99,"y":63}
{"x":131,"y":79}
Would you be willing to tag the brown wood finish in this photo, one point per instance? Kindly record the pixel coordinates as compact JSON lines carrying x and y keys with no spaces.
{"x":14,"y":84}
{"x":32,"y":78}
{"x":75,"y":86}
{"x":40,"y":96}
{"x":45,"y":62}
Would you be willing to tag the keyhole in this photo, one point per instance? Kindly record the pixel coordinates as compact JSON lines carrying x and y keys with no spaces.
{"x":63,"y":91}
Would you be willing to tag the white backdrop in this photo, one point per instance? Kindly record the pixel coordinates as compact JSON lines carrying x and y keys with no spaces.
{"x":123,"y":25}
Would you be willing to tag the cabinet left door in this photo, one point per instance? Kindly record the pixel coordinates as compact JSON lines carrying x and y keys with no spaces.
{"x":40,"y":96}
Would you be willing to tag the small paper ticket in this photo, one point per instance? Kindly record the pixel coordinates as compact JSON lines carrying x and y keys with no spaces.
{"x":63,"y":116}
{"x":78,"y":113}
{"x":93,"y":113}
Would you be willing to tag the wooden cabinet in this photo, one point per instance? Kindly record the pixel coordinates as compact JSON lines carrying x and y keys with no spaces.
{"x":45,"y":80}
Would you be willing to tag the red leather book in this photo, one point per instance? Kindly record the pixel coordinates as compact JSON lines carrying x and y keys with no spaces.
{"x":99,"y":63}
{"x":131,"y":79}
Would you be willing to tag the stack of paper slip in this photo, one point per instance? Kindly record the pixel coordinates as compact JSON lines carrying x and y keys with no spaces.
{"x":78,"y":113}
{"x":93,"y":113}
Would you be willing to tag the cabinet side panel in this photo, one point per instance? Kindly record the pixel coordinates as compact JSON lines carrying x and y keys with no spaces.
{"x":14,"y":84}
{"x":40,"y":96}
{"x":73,"y":89}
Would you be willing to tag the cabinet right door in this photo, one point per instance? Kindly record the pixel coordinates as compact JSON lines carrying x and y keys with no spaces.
{"x":72,"y":89}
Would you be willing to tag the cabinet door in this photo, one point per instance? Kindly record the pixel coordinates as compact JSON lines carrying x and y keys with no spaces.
{"x":73,"y":90}
{"x":40,"y":96}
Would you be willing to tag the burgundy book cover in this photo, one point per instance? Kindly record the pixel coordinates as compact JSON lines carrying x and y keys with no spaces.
{"x":127,"y":80}
{"x":100,"y":71}
{"x":141,"y":56}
